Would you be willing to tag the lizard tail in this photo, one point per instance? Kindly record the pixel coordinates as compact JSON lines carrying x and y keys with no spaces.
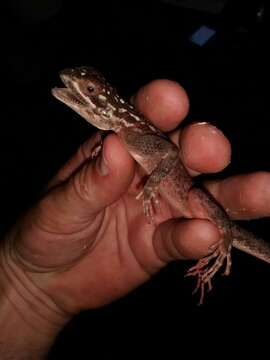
{"x":251,"y":244}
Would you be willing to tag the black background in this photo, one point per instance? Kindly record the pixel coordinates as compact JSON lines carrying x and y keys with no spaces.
{"x":133,"y":43}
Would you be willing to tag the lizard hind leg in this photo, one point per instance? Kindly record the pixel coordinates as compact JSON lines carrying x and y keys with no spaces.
{"x":220,"y":253}
{"x":207,"y":267}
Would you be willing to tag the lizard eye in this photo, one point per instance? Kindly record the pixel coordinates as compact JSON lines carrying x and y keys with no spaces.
{"x":90,"y":89}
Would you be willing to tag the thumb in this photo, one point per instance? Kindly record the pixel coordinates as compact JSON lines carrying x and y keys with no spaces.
{"x":96,"y":185}
{"x":62,"y":217}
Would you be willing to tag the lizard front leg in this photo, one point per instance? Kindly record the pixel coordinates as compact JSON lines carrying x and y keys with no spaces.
{"x":151,"y":187}
{"x":170,"y":179}
{"x":166,"y":173}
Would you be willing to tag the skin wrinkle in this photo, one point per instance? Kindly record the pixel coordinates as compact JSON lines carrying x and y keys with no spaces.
{"x":83,"y":228}
{"x":26,"y":294}
{"x":25,"y":319}
{"x":76,"y":183}
{"x":140,"y":263}
{"x":175,"y":240}
{"x":147,"y":270}
{"x":79,"y":184}
{"x":166,"y":245}
{"x":170,"y":245}
{"x":120,"y":218}
{"x":75,"y":237}
{"x":30,"y":266}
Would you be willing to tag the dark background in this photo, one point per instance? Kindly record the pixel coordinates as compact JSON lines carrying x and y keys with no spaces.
{"x":132,"y":43}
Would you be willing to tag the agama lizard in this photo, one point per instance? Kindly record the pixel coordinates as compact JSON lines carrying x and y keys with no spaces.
{"x":88,"y":93}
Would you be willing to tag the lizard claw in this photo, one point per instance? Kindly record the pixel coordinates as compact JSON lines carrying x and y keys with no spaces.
{"x":97,"y":144}
{"x":205,"y":272}
{"x":151,"y":203}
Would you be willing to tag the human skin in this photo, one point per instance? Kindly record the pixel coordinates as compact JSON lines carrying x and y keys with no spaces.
{"x":87,"y":242}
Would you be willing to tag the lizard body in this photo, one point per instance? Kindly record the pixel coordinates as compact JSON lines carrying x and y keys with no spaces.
{"x":88,"y":93}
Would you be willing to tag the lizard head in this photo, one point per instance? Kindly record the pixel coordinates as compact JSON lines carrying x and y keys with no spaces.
{"x":87,"y":92}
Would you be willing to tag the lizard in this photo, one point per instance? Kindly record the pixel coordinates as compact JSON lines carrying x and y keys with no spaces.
{"x":88,"y":93}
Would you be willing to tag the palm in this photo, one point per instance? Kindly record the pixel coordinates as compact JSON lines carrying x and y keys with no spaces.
{"x":114,"y":249}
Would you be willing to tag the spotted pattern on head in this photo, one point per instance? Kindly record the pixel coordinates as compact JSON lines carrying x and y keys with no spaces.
{"x":97,"y":101}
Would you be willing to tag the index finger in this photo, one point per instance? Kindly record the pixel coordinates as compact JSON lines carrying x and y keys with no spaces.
{"x":164,"y":102}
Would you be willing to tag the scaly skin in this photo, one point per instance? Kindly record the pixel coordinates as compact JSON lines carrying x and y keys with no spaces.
{"x":87,"y":92}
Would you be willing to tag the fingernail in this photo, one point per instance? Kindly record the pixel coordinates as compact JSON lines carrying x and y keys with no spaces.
{"x":201,"y":123}
{"x":102,"y":165}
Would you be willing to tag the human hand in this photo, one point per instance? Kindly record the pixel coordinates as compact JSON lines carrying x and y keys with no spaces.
{"x":87,"y":242}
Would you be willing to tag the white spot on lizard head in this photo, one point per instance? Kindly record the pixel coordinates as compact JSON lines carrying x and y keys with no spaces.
{"x":102,"y":97}
{"x":135,"y":117}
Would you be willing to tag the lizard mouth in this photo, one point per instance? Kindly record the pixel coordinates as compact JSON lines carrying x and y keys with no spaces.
{"x":70,"y":94}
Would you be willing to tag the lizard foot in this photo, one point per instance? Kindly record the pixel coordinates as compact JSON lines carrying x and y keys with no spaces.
{"x":98,"y":144}
{"x":150,"y":203}
{"x":205,"y":271}
{"x":96,"y":151}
